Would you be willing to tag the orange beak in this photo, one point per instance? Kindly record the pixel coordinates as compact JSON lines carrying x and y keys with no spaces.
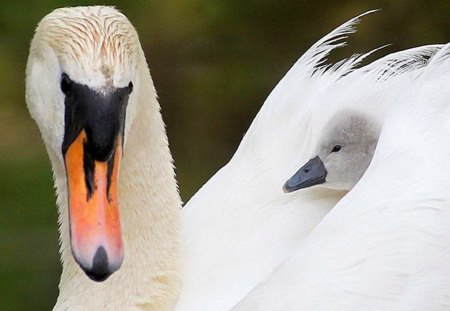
{"x":95,"y":233}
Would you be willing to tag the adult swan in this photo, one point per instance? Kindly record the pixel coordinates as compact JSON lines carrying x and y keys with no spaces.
{"x":89,"y":89}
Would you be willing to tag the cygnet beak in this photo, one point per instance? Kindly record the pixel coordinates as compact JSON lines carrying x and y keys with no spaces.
{"x":311,"y":174}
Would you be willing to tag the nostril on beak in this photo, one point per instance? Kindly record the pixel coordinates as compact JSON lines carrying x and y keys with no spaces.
{"x":306,"y":170}
{"x":100,"y":267}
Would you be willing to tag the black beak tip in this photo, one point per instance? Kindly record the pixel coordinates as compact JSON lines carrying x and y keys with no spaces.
{"x":100,"y":269}
{"x":97,"y":276}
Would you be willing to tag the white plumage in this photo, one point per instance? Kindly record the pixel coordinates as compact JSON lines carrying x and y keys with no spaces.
{"x":384,"y":246}
{"x":240,"y":225}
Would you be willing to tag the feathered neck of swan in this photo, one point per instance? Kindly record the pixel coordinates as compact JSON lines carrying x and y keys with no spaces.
{"x":149,"y":215}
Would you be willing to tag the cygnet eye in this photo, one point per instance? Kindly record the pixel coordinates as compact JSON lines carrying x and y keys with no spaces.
{"x":336,"y":148}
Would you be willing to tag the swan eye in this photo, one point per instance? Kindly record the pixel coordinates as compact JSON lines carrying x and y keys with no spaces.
{"x":336,"y":148}
{"x":130,"y":87}
{"x":66,"y":83}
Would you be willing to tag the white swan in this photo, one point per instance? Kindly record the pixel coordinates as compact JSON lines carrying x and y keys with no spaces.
{"x":81,"y":70}
{"x":385,"y":245}
{"x":240,"y":225}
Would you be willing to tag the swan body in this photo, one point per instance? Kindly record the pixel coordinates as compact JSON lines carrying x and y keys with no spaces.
{"x":99,"y":49}
{"x":384,"y":246}
{"x":240,"y":225}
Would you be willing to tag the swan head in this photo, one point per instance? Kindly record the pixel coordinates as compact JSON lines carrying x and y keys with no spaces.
{"x":344,"y":152}
{"x":79,"y":90}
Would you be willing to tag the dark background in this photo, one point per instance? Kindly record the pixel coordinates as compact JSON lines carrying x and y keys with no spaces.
{"x":213,"y":63}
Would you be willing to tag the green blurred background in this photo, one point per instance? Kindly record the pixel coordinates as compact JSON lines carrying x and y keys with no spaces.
{"x":213,"y":62}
